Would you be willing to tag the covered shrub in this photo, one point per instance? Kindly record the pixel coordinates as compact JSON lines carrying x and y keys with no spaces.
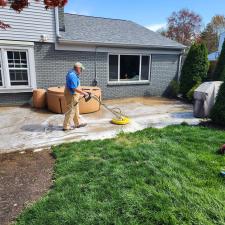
{"x":219,"y":73}
{"x":195,"y":68}
{"x":190,"y":94}
{"x":218,"y":111}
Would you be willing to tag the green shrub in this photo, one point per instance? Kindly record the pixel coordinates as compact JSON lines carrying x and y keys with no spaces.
{"x":217,"y":113}
{"x":219,"y":73}
{"x":174,"y":88}
{"x":195,"y":68}
{"x":190,"y":94}
{"x":212,"y":67}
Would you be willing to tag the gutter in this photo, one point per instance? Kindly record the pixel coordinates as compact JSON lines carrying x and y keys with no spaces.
{"x":181,"y":47}
{"x":57,"y":23}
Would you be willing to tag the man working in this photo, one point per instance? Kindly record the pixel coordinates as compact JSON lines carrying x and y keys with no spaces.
{"x":72,"y":94}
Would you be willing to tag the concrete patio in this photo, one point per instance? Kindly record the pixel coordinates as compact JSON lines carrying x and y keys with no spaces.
{"x":23,"y":128}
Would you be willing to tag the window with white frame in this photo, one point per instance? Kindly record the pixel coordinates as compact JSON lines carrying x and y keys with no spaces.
{"x":16,"y":69}
{"x":129,"y":67}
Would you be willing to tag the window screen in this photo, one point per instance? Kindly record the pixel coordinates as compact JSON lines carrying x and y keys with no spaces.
{"x":145,"y":68}
{"x":18,"y":68}
{"x":113,"y":67}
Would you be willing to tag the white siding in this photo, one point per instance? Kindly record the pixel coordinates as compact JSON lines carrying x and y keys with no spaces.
{"x":29,"y":24}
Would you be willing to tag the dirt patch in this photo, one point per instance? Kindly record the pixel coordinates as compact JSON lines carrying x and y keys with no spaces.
{"x":24,"y":177}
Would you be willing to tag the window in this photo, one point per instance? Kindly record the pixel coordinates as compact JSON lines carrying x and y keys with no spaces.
{"x":128,"y":68}
{"x":113,"y":67}
{"x":16,"y":67}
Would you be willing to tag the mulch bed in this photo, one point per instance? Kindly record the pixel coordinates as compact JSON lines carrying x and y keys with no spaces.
{"x":24,"y":178}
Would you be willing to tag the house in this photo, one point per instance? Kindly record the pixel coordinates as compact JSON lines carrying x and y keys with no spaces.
{"x":120,"y":56}
{"x":214,"y":55}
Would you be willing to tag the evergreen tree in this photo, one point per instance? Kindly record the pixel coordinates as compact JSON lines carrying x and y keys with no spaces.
{"x":194,"y":69}
{"x":219,"y":73}
{"x":217,"y":113}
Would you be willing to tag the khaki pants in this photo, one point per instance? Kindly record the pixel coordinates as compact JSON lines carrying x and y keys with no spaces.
{"x":72,"y":109}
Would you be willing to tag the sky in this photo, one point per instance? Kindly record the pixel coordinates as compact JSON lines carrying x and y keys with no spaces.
{"x":149,"y":13}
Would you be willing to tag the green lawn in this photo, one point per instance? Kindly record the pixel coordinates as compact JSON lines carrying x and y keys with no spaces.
{"x":155,"y":176}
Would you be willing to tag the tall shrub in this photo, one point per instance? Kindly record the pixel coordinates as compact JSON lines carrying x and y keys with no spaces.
{"x":217,"y":113}
{"x":195,"y":68}
{"x":219,"y":73}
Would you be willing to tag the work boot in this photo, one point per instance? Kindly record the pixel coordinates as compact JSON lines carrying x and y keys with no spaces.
{"x":68,"y":129}
{"x":81,"y":125}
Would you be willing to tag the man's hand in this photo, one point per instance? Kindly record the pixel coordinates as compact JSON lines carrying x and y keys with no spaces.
{"x":86,"y":94}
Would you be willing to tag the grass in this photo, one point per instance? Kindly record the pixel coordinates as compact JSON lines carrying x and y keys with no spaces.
{"x":165,"y":176}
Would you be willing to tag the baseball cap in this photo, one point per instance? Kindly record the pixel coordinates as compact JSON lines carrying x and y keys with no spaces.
{"x":79,"y":65}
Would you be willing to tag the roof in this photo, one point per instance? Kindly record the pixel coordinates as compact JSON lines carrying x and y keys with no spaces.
{"x":116,"y":32}
{"x":213,"y":56}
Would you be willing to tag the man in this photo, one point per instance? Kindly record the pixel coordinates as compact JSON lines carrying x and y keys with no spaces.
{"x":72,"y":95}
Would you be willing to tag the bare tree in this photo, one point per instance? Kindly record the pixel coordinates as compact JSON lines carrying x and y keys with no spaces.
{"x":218,"y":24}
{"x":184,"y":26}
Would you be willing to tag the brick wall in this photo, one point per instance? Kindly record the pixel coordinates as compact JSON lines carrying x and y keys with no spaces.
{"x":52,"y":65}
{"x":14,"y":98}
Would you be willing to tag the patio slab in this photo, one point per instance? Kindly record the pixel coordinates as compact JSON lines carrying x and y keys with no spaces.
{"x":23,"y":128}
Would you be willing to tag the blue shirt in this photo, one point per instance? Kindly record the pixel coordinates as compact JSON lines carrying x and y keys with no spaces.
{"x":72,"y":81}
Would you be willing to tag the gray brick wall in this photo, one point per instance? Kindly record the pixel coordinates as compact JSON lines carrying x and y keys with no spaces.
{"x":52,"y":65}
{"x":14,"y":98}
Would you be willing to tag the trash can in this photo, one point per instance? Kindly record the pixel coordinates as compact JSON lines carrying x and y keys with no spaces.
{"x":56,"y":100}
{"x":39,"y":98}
{"x":205,"y":97}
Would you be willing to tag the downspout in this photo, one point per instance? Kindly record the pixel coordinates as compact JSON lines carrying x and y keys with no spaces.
{"x":95,"y":82}
{"x":180,"y":62}
{"x":57,"y":23}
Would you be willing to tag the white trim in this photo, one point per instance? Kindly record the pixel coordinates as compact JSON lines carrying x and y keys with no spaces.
{"x":112,"y":49}
{"x":80,"y":42}
{"x":8,"y":88}
{"x":140,"y":66}
{"x":121,"y":83}
{"x":118,"y":69}
{"x":16,"y":43}
{"x":149,"y":72}
{"x":16,"y":90}
{"x":179,"y":67}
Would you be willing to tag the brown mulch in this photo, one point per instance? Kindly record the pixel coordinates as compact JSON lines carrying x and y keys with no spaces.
{"x":24,"y":178}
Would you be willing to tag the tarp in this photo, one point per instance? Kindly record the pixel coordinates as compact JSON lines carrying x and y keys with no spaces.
{"x":205,"y":97}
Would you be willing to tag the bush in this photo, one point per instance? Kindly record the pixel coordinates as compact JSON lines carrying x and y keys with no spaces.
{"x":218,"y":111}
{"x":190,"y":94}
{"x":195,"y":68}
{"x":174,"y":88}
{"x":211,"y":71}
{"x":219,"y":73}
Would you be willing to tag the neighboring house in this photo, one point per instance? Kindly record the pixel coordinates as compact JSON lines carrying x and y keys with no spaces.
{"x":214,"y":55}
{"x":124,"y":58}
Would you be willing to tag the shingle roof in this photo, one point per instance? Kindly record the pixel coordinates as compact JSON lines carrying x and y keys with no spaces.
{"x":88,"y":29}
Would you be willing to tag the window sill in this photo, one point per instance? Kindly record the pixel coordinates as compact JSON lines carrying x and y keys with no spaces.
{"x":126,"y":83}
{"x":15,"y":90}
